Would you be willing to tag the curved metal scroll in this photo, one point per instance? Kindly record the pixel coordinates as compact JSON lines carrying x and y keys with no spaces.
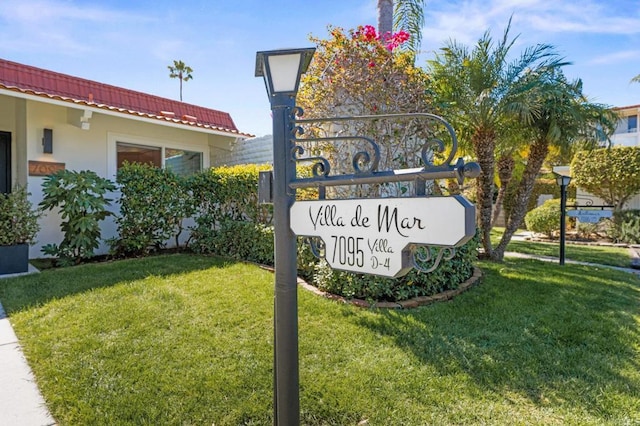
{"x":317,"y":246}
{"x":424,"y":259}
{"x":365,"y":162}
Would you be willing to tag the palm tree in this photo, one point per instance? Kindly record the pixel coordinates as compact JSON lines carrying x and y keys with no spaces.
{"x":407,"y":15}
{"x":181,"y":71}
{"x":636,"y":79}
{"x":565,"y":117}
{"x":485,"y":92}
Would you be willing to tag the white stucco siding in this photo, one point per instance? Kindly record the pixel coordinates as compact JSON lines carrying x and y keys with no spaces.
{"x":85,"y":149}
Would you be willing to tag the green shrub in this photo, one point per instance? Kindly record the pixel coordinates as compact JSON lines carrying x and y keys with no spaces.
{"x":229,"y":193}
{"x":18,"y":220}
{"x":153,"y":205}
{"x":449,"y":275}
{"x":545,"y":219}
{"x":80,"y":196}
{"x":240,"y":240}
{"x":626,"y":227}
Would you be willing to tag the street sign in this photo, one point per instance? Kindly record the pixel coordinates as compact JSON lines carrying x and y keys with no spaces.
{"x":373,"y":236}
{"x":589,"y":216}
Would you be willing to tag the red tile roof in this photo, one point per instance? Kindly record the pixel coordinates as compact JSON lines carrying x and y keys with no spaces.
{"x":53,"y":85}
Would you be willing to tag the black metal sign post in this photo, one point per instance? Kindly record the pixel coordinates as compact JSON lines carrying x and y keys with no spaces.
{"x":399,"y":221}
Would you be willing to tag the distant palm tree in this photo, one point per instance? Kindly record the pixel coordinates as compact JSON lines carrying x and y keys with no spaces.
{"x":407,"y":15}
{"x":181,"y":71}
{"x":636,"y":79}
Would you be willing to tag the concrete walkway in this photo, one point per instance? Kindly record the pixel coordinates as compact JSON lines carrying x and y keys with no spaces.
{"x":21,"y":403}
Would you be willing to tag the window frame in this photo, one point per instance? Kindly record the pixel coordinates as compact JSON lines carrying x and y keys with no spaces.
{"x":114,"y":138}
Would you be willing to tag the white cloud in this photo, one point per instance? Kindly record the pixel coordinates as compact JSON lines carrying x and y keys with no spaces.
{"x":623,"y":56}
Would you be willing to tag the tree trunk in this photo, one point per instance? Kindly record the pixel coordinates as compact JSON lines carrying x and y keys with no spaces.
{"x":537,"y":154}
{"x":484,"y":146}
{"x":385,"y":17}
{"x":506,"y":164}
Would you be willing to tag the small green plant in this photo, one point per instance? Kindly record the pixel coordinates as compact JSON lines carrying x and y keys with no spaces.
{"x":18,"y":219}
{"x":81,"y":200}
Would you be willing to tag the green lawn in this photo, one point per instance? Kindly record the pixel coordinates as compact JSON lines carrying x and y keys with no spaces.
{"x":187,"y":339}
{"x":604,"y":255}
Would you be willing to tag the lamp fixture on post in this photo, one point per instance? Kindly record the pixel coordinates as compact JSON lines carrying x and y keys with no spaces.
{"x":563,"y":181}
{"x":281,"y":70}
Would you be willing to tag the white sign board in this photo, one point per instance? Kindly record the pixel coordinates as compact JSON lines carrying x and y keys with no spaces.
{"x":589,"y":216}
{"x":372,"y":236}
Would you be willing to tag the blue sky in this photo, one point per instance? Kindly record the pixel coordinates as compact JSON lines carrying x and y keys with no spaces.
{"x":130,"y":43}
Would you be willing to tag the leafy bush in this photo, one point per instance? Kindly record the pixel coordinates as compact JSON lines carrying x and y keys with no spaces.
{"x":80,"y":196}
{"x":153,"y":205}
{"x":449,"y":275}
{"x":240,"y":240}
{"x":225,"y":194}
{"x":230,"y":193}
{"x":18,"y":220}
{"x":612,"y":174}
{"x":544,"y":219}
{"x":626,"y":227}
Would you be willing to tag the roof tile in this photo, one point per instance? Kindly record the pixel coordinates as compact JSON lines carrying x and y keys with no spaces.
{"x":26,"y":78}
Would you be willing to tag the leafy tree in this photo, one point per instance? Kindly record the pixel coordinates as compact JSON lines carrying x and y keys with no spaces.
{"x":612,"y":174}
{"x":482,"y":92}
{"x":359,"y":73}
{"x":181,"y":71}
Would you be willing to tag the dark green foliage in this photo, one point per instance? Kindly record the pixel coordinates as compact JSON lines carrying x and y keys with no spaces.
{"x":230,"y":222}
{"x":81,"y":200}
{"x":18,"y":220}
{"x":449,"y":275}
{"x":153,"y":205}
{"x":225,"y":194}
{"x":626,"y":227}
{"x":229,"y":193}
{"x":240,"y":240}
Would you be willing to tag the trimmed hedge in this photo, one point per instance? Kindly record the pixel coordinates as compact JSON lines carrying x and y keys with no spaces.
{"x":153,"y":206}
{"x":544,"y":219}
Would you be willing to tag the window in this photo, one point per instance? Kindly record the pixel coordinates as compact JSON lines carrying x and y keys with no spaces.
{"x":180,"y":161}
{"x":632,"y":124}
{"x":138,"y":154}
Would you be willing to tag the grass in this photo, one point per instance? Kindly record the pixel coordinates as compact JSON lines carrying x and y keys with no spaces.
{"x":186,"y":339}
{"x":603,"y":255}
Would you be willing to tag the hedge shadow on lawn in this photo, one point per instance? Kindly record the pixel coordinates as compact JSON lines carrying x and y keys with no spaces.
{"x":563,"y":337}
{"x":24,"y":292}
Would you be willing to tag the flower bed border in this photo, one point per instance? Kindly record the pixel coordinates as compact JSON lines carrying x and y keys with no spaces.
{"x":405,"y":304}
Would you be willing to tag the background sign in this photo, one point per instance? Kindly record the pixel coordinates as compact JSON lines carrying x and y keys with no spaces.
{"x":589,"y":216}
{"x":372,"y":235}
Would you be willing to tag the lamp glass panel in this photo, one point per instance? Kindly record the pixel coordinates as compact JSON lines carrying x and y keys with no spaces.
{"x":284,"y":72}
